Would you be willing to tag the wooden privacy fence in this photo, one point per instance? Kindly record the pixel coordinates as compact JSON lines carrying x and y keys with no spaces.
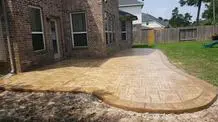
{"x":199,"y":33}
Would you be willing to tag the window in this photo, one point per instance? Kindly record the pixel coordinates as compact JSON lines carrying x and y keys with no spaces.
{"x":123,"y":30}
{"x":109,"y":28}
{"x":37,"y":29}
{"x":79,"y":29}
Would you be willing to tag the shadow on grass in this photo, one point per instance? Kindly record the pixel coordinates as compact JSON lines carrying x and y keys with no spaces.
{"x":142,"y":46}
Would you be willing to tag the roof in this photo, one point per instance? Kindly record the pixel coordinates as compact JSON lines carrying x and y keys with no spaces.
{"x":130,"y":3}
{"x":148,"y":18}
{"x":126,"y":14}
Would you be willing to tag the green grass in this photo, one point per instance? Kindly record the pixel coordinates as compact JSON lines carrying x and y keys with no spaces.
{"x":194,"y":58}
{"x":140,"y":46}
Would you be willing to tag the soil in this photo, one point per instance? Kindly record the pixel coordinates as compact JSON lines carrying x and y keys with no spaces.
{"x":68,"y":107}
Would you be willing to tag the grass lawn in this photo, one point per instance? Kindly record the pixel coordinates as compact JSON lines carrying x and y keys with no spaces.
{"x":194,"y":58}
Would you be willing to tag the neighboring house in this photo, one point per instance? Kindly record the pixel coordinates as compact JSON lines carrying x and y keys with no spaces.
{"x":133,"y":7}
{"x":44,"y":31}
{"x":150,"y":22}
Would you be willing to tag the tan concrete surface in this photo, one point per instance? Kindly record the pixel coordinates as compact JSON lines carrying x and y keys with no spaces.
{"x":140,"y":80}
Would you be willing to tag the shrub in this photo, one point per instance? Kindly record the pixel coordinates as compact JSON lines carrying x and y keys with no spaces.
{"x":215,"y":37}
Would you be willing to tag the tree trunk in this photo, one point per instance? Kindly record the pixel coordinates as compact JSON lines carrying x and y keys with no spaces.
{"x":199,"y":11}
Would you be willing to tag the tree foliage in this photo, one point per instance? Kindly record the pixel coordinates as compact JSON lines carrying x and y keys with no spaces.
{"x":196,"y":3}
{"x":208,"y":13}
{"x":160,"y":18}
{"x":191,"y":2}
{"x":180,"y":20}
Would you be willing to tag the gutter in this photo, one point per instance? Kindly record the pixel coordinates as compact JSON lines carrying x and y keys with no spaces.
{"x":12,"y":66}
{"x":131,"y":5}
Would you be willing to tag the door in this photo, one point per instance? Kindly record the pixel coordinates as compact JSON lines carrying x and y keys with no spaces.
{"x":55,"y":39}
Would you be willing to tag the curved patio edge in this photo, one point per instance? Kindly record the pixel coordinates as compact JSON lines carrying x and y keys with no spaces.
{"x":205,"y":100}
{"x":167,"y":108}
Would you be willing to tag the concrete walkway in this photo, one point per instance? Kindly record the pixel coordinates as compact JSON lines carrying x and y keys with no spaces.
{"x":140,"y":80}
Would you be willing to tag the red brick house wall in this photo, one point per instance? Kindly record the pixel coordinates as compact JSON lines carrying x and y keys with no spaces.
{"x":3,"y":51}
{"x":20,"y":31}
{"x":60,"y":10}
{"x":94,"y":18}
{"x":112,"y":7}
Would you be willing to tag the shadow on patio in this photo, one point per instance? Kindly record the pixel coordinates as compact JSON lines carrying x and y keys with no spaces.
{"x":94,"y":62}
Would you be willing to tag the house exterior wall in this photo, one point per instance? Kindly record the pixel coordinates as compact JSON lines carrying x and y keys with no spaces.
{"x":4,"y":60}
{"x":125,"y":44}
{"x":134,"y":10}
{"x":94,"y":17}
{"x":21,"y":32}
{"x":112,"y":7}
{"x":3,"y":51}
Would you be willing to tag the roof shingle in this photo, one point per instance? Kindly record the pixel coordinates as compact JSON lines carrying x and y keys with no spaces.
{"x":148,"y":18}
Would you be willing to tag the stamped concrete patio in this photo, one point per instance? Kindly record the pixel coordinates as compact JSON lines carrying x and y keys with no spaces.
{"x":140,"y":80}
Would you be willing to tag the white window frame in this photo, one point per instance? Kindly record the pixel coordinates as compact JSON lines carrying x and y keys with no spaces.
{"x":110,"y":28}
{"x":58,"y":55}
{"x":42,"y":24}
{"x":123,"y":32}
{"x":85,"y":32}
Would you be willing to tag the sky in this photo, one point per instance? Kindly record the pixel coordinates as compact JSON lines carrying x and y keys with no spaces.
{"x":163,"y":8}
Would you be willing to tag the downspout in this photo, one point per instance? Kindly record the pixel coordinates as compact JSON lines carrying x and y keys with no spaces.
{"x":8,"y":39}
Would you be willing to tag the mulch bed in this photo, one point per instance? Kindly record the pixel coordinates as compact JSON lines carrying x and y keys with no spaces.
{"x":67,"y":107}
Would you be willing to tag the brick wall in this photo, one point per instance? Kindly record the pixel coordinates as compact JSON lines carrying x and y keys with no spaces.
{"x":112,"y":7}
{"x":20,"y":31}
{"x":60,"y":10}
{"x":4,"y":59}
{"x":3,"y":51}
{"x":129,"y":40}
{"x":94,"y":17}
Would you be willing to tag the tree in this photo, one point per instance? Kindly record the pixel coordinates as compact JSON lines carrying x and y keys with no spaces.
{"x":208,"y":13}
{"x":160,"y":18}
{"x":180,"y":20}
{"x":166,"y":20}
{"x":196,"y":3}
